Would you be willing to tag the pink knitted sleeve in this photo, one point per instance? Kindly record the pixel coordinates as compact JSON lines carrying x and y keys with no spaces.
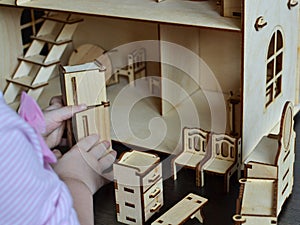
{"x":29,"y":192}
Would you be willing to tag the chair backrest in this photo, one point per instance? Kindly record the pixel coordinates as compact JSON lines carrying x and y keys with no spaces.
{"x":224,"y":147}
{"x":195,"y":140}
{"x":137,"y":59}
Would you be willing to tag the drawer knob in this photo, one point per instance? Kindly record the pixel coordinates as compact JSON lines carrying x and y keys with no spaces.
{"x":154,"y":178}
{"x":260,"y":23}
{"x":155,"y":193}
{"x":155,"y":207}
{"x":292,"y":3}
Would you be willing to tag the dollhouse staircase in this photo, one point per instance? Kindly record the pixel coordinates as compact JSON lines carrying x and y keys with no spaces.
{"x":36,"y":67}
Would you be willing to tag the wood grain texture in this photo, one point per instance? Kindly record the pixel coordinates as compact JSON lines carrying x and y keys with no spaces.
{"x":182,"y":211}
{"x":84,"y":84}
{"x":195,"y":13}
{"x":104,"y":205}
{"x":10,"y":42}
{"x":92,"y":121}
{"x":255,"y":115}
{"x":138,"y":186}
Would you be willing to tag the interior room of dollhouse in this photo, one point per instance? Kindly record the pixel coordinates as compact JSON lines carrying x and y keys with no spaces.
{"x":204,"y":86}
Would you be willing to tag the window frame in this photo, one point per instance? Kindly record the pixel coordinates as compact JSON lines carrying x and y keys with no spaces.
{"x":274,"y":67}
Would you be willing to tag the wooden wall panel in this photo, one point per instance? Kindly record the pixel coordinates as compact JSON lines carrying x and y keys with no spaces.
{"x":10,"y":42}
{"x":258,"y":120}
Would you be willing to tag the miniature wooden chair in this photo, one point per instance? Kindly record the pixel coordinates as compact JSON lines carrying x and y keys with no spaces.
{"x":194,"y":149}
{"x":224,"y":160}
{"x":136,"y":61}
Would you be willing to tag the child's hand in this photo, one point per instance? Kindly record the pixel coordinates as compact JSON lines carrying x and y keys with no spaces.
{"x":86,"y":161}
{"x":55,"y":116}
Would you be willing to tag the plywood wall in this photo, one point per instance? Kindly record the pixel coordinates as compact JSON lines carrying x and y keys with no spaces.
{"x":198,"y":58}
{"x":258,"y":120}
{"x":10,"y":42}
{"x":221,"y":51}
{"x":115,"y":34}
{"x":298,"y":66}
{"x":180,"y":63}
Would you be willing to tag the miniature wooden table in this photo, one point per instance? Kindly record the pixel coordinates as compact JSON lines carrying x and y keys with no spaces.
{"x":188,"y":207}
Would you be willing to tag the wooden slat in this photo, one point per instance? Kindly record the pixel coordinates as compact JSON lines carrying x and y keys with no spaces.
{"x":26,"y":82}
{"x":58,"y":18}
{"x":50,"y":39}
{"x":38,"y":60}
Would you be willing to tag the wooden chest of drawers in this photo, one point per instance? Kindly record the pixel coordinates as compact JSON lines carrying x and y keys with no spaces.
{"x":138,"y":187}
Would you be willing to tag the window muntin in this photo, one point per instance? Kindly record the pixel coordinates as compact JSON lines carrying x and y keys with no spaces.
{"x":31,"y":22}
{"x":274,"y":67}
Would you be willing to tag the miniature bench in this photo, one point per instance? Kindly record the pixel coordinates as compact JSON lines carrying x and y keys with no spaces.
{"x":189,"y":207}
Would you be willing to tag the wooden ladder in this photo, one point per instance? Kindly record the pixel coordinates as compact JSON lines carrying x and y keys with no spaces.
{"x":35,"y":68}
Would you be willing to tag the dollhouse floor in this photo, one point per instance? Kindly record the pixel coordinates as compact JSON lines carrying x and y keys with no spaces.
{"x":220,"y":207}
{"x":136,"y":118}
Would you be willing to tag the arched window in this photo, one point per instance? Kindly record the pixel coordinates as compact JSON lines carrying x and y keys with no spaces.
{"x":274,"y":67}
{"x":31,"y":22}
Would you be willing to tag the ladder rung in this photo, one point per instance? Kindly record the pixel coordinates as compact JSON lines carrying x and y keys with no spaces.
{"x":38,"y":60}
{"x":26,"y":82}
{"x":63,"y":20}
{"x":50,"y":39}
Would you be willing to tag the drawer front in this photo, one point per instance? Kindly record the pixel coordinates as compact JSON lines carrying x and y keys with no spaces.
{"x":152,"y":177}
{"x":153,"y":192}
{"x":128,"y":195}
{"x":130,"y":215}
{"x":154,"y":206}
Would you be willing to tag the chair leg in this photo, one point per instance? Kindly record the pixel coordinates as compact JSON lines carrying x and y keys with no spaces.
{"x":116,"y":77}
{"x":227,"y":182}
{"x":239,"y":172}
{"x":131,"y":76}
{"x":202,"y":178}
{"x":199,"y":176}
{"x":174,"y":171}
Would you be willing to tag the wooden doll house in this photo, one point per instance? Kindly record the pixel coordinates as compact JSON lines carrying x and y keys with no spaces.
{"x":225,"y":68}
{"x":254,"y":57}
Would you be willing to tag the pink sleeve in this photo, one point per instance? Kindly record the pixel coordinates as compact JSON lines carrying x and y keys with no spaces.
{"x":29,"y":192}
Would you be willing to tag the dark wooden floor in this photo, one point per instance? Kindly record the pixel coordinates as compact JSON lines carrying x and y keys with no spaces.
{"x":220,"y":207}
